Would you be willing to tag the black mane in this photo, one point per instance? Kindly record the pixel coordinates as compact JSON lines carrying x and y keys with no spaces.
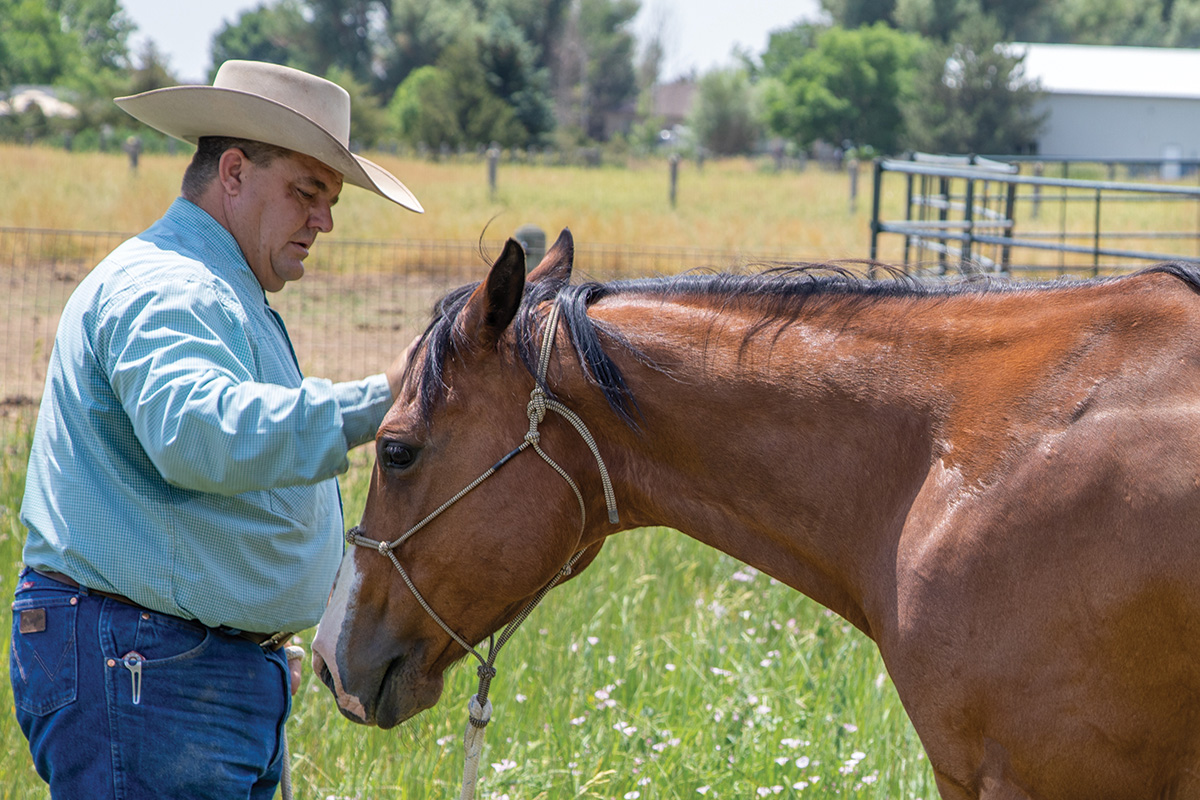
{"x":778,"y":293}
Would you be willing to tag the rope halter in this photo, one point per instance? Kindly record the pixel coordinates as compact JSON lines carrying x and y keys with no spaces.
{"x":480,"y":708}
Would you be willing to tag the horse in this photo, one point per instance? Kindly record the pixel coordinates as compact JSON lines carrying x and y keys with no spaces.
{"x":997,"y":482}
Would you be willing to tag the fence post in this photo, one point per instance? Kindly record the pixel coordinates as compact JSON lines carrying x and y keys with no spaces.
{"x":493,"y":156}
{"x":1038,"y":169}
{"x":852,"y":168}
{"x":969,"y":219}
{"x":1010,"y":224}
{"x":876,"y":192}
{"x":533,"y":241}
{"x":673,"y":166}
{"x":944,"y":187}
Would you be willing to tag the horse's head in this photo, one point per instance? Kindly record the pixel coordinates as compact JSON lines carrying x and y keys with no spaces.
{"x":480,"y":559}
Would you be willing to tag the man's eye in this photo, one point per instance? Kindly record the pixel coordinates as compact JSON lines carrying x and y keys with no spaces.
{"x":396,"y":455}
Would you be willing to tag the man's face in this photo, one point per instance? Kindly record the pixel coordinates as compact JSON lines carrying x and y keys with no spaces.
{"x":278,"y":212}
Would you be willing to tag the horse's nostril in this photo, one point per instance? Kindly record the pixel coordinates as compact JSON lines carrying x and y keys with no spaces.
{"x":326,"y":676}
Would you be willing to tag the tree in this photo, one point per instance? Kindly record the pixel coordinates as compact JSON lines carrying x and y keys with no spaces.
{"x":278,"y":34}
{"x":416,"y":32}
{"x":727,"y":116}
{"x":514,"y":75}
{"x":345,"y":34}
{"x":859,"y":13}
{"x":594,"y":64}
{"x":34,"y":48}
{"x":846,"y":87}
{"x":451,"y":104}
{"x":100,"y":27}
{"x":972,"y":97}
{"x":370,"y":123}
{"x":787,"y":46}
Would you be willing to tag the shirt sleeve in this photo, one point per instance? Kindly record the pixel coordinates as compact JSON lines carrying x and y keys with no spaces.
{"x":182,"y":362}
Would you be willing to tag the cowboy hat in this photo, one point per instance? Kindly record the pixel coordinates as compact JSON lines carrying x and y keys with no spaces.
{"x":272,"y":104}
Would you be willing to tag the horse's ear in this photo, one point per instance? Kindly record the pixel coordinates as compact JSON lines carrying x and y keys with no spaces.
{"x":558,"y":260}
{"x":494,"y":303}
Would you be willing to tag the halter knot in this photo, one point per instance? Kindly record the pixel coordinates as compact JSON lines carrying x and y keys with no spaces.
{"x":536,"y":410}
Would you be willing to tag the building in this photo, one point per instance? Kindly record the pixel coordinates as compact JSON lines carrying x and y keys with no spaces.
{"x":44,"y":97}
{"x":1117,"y":102}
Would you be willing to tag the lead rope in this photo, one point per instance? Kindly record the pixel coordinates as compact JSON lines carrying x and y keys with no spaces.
{"x":479,"y":708}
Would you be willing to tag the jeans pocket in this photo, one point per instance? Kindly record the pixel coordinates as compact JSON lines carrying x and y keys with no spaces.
{"x":161,"y":637}
{"x":44,"y":661}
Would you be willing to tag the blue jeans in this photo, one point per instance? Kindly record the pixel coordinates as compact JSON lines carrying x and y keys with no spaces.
{"x":203,"y":719}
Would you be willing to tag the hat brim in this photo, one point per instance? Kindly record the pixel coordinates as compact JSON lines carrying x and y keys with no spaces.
{"x":189,"y":112}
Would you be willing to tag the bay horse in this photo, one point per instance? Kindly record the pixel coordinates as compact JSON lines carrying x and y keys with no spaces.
{"x":998,"y":483}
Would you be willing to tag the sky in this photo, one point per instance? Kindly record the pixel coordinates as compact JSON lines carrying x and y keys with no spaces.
{"x":698,"y":35}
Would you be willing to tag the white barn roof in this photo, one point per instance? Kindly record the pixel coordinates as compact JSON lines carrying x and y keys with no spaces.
{"x":1112,"y":71}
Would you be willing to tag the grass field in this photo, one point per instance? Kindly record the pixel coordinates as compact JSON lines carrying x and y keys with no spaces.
{"x":737,"y":205}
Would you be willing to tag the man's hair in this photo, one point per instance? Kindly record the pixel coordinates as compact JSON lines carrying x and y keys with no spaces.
{"x":203,"y":168}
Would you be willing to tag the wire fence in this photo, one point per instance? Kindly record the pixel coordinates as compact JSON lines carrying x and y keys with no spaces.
{"x":358,"y":305}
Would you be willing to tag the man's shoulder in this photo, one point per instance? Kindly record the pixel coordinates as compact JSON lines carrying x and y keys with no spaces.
{"x":142,"y":273}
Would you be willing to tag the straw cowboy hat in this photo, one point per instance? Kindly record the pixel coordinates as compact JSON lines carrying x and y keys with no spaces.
{"x":272,"y":104}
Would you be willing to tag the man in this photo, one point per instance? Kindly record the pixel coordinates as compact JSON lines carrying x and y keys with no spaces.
{"x":181,"y":499}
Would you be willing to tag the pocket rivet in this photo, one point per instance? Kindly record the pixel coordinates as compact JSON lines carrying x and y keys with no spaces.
{"x":74,"y":600}
{"x":145,"y":615}
{"x":112,"y":662}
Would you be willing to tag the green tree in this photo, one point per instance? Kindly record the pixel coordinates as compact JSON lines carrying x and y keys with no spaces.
{"x":345,"y":34}
{"x":858,"y":13}
{"x":514,"y":74}
{"x":34,"y":47}
{"x":847,"y":86}
{"x":418,"y":31}
{"x":451,"y":104}
{"x":727,"y":117}
{"x":1184,"y":24}
{"x":370,"y":123}
{"x":595,"y":64}
{"x":1109,"y":22}
{"x":101,"y":29}
{"x":787,"y":46}
{"x":972,"y":97}
{"x":278,"y":34}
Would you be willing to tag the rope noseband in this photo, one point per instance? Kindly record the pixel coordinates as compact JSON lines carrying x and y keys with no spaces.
{"x":480,"y":708}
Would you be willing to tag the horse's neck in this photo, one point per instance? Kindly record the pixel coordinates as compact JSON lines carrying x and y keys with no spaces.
{"x":796,"y":451}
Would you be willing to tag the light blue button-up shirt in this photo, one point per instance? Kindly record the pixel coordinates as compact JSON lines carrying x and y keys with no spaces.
{"x":180,"y":459}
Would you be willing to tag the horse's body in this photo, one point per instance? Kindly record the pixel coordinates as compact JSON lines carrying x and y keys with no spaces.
{"x":999,"y":486}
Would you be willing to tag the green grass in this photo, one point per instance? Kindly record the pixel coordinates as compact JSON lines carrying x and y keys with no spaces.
{"x":666,"y":670}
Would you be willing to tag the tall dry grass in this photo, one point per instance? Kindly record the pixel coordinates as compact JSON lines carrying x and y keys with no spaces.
{"x":738,"y":205}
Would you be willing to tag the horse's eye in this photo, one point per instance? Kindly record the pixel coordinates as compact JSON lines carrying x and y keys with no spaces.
{"x":396,"y":455}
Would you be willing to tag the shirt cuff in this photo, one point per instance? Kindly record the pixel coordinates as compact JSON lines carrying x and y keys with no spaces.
{"x":363,"y":405}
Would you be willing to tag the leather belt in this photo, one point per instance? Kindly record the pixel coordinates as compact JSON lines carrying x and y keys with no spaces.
{"x":267,"y":641}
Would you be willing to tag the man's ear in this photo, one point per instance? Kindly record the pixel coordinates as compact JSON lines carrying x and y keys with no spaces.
{"x":231,"y":169}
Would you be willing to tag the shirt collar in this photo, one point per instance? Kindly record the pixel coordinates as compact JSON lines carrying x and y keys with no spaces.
{"x":212,"y":244}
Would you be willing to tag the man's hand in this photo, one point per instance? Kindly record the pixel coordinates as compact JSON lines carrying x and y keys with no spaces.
{"x":295,"y":659}
{"x":395,"y":373}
